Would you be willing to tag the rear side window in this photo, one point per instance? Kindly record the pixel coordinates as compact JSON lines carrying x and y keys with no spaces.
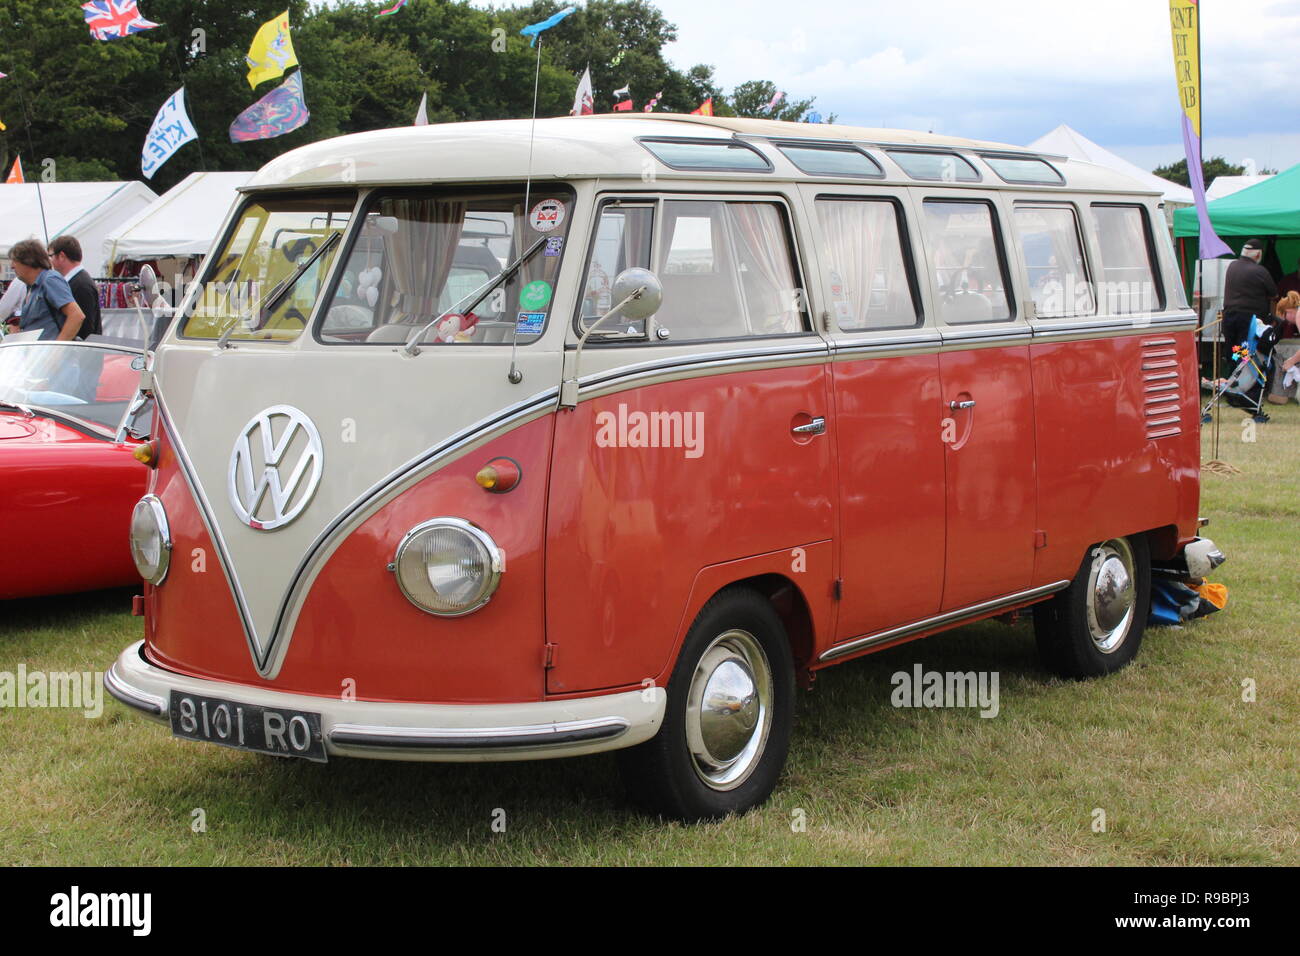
{"x":935,"y":167}
{"x":719,"y":154}
{"x":870,"y":276}
{"x":833,"y":161}
{"x":1016,"y":169}
{"x":1053,"y":255}
{"x":969,"y":269}
{"x":727,"y":270}
{"x":1129,"y":281}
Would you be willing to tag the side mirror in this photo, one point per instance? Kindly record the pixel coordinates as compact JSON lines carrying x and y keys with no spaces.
{"x":646,"y":289}
{"x":148,"y":280}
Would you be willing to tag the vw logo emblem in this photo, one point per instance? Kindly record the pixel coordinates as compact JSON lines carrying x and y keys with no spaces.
{"x":268,"y":485}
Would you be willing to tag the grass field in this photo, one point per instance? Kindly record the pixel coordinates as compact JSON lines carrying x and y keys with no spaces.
{"x":1184,"y":769}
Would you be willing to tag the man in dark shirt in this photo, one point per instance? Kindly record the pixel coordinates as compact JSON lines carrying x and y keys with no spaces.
{"x":1248,"y":292}
{"x":65,"y":255}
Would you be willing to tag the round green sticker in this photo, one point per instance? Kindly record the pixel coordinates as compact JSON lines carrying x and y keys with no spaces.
{"x":535,"y":295}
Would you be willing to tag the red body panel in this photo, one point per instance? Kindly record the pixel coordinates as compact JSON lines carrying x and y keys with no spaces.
{"x":65,"y":511}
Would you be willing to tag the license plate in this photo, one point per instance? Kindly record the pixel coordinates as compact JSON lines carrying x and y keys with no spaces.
{"x":269,"y":730}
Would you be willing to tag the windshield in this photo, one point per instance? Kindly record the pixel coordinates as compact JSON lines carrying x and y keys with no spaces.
{"x":421,"y":253}
{"x":84,"y":382}
{"x":263,"y":283}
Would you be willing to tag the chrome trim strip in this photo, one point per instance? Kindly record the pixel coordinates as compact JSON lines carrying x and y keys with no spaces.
{"x":1010,"y":331}
{"x":148,"y":703}
{"x":477,"y":738}
{"x":705,"y":360}
{"x":950,"y":617}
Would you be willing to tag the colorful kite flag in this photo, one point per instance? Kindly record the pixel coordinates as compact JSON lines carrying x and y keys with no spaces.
{"x":1184,"y":18}
{"x":618,"y":58}
{"x":776,"y":99}
{"x":16,"y":173}
{"x":272,"y":51}
{"x":280,"y":111}
{"x":533,"y":31}
{"x":623,"y":106}
{"x":813,"y":117}
{"x":704,"y":109}
{"x":584,"y":100}
{"x":114,"y":19}
{"x":3,"y":127}
{"x":422,"y":114}
{"x":390,"y":11}
{"x":654,"y":101}
{"x":170,"y":131}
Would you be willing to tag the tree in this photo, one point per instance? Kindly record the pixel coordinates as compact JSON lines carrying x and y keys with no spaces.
{"x":1210,"y":169}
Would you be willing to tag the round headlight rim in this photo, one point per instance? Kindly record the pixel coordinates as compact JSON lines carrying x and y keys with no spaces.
{"x":159,"y":515}
{"x":495,"y":562}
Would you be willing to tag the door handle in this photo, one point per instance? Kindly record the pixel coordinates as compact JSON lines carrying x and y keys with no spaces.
{"x":957,"y":406}
{"x":815,"y":427}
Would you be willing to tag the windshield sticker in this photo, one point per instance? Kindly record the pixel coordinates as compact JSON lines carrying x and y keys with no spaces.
{"x":547,"y":215}
{"x":530,"y":323}
{"x":554,"y":246}
{"x":535,"y":295}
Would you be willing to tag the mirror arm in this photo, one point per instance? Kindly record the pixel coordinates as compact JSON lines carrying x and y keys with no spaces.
{"x":569,"y":387}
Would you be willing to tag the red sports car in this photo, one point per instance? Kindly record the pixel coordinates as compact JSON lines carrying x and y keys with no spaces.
{"x":67,"y":485}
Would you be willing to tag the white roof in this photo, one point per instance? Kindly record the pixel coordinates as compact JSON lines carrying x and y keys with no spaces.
{"x":87,"y":211}
{"x":585,"y":147}
{"x":1227,"y":185}
{"x":1070,"y":142}
{"x":181,"y":222}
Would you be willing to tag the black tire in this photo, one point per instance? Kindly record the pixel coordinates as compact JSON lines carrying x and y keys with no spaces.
{"x":734,"y":638}
{"x":1080,"y":634}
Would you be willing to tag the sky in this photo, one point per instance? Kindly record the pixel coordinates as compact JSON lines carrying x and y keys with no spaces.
{"x":1012,"y":71}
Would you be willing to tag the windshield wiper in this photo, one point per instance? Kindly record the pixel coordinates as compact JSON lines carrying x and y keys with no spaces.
{"x":274,"y":297}
{"x":475,"y":297}
{"x":20,"y":406}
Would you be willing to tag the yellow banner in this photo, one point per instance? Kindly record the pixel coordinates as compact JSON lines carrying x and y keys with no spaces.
{"x":1184,"y":17}
{"x":272,"y":51}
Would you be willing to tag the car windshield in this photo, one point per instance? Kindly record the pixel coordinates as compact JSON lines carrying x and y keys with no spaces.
{"x":90,"y":383}
{"x":263,"y":283}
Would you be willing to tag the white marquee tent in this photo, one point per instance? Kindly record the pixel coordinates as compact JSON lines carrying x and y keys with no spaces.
{"x":1065,"y":141}
{"x":1227,"y":185}
{"x":88,"y":211}
{"x":182,"y":222}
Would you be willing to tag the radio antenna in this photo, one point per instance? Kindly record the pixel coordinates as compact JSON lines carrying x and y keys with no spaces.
{"x":514,"y":375}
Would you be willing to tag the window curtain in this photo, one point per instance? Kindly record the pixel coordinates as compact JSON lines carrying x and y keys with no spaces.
{"x":421,"y":253}
{"x":762,"y":235}
{"x":855,"y":233}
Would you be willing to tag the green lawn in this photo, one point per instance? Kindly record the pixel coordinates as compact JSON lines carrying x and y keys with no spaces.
{"x":1186,"y":772}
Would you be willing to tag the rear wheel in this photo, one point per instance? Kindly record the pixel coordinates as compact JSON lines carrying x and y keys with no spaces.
{"x":1095,"y":626}
{"x":726,"y":730}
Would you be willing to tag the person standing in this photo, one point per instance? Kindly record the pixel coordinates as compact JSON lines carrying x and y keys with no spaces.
{"x":65,"y":256}
{"x":1248,"y":293}
{"x":50,"y":308}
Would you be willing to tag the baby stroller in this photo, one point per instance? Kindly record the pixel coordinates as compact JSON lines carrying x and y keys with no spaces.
{"x":1248,"y":383}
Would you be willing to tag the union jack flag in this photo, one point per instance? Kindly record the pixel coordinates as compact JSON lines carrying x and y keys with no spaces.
{"x":114,"y":19}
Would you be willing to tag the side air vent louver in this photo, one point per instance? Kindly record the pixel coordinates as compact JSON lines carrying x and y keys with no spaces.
{"x":1161,"y":388}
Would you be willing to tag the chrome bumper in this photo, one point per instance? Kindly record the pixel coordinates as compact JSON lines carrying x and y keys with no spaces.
{"x":400,"y":731}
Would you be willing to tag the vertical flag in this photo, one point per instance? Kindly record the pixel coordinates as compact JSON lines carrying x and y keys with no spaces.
{"x":1184,"y":18}
{"x":584,"y":100}
{"x":422,"y":114}
{"x":280,"y":111}
{"x":271,"y":52}
{"x":704,"y":109}
{"x":16,"y":173}
{"x":170,"y":131}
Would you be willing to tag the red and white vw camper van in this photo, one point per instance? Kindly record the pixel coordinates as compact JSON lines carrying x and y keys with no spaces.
{"x":479,"y":443}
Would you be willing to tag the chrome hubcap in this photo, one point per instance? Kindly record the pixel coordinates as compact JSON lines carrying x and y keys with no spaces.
{"x":729,"y":710}
{"x":1112,"y":594}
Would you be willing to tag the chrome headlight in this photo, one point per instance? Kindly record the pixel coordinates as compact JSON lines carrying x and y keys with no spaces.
{"x":151,"y":539}
{"x":448,"y":567}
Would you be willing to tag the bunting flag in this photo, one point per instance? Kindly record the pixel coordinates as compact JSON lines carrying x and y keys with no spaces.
{"x":16,"y":173}
{"x":776,"y":99}
{"x":1184,"y":18}
{"x":653,"y":102}
{"x":422,"y":114}
{"x":584,"y":100}
{"x":280,"y":111}
{"x":271,"y":52}
{"x":704,"y":109}
{"x":114,"y":19}
{"x":533,"y":31}
{"x":625,"y":91}
{"x":390,"y":11}
{"x":170,"y":131}
{"x":623,"y":106}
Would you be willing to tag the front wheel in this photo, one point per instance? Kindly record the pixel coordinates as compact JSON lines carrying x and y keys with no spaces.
{"x":1095,"y":626}
{"x":726,"y":730}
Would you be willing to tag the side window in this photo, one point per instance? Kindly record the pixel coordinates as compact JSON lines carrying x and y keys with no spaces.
{"x":1053,"y":255}
{"x":870,"y":280}
{"x":1129,"y":281}
{"x":727,"y":271}
{"x":622,"y":242}
{"x":969,"y":271}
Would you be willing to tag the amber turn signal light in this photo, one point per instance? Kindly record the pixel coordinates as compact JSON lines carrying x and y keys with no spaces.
{"x":499,"y":475}
{"x":146,"y":453}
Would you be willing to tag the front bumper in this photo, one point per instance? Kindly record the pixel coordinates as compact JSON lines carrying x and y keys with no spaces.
{"x":400,"y":731}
